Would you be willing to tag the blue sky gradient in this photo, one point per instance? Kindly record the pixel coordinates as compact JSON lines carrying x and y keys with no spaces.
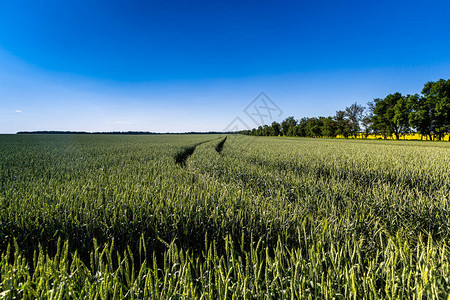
{"x":180,"y":66}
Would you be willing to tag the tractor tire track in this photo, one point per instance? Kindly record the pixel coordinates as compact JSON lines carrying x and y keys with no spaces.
{"x":219,"y":146}
{"x":182,"y":155}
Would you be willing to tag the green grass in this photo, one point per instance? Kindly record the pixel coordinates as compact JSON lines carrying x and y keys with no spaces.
{"x":243,"y":217}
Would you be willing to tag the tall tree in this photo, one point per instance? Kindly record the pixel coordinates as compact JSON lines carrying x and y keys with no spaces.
{"x":437,"y":96}
{"x":313,"y":127}
{"x":299,"y":130}
{"x":266,"y":130}
{"x":402,"y":110}
{"x":343,"y":126}
{"x":276,"y":128}
{"x":288,"y":126}
{"x":259,"y":131}
{"x":366,"y":123}
{"x":368,"y":120}
{"x":384,"y":113}
{"x":328,"y":127}
{"x":354,"y":113}
{"x":420,"y":117}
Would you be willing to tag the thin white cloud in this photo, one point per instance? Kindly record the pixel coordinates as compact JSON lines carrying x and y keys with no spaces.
{"x":18,"y":111}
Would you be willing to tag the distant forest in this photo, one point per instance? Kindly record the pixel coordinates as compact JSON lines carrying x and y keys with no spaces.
{"x":117,"y":132}
{"x":427,"y":114}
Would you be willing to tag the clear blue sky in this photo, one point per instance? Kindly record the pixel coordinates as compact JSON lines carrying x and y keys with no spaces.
{"x":195,"y":65}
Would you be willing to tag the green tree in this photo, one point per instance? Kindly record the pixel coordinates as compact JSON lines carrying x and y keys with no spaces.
{"x":276,"y":129}
{"x":354,"y":113}
{"x":266,"y":130}
{"x":420,"y":116}
{"x":259,"y":131}
{"x":437,"y":98}
{"x":328,"y":127}
{"x":343,"y":126}
{"x":366,"y":123}
{"x":300,"y":128}
{"x":384,"y":113}
{"x":313,"y":127}
{"x":402,"y":110}
{"x":288,"y":126}
{"x":368,"y":119}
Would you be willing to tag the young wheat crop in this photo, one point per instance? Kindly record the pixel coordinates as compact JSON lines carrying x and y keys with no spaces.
{"x":209,"y":216}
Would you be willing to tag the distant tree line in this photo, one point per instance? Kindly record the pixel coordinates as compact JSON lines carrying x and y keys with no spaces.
{"x":427,"y":113}
{"x":120,"y":132}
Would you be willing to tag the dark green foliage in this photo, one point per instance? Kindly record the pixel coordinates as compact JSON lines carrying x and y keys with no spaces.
{"x":288,"y":125}
{"x":342,"y":124}
{"x":436,"y":101}
{"x":354,"y":114}
{"x":395,"y":115}
{"x":384,"y":115}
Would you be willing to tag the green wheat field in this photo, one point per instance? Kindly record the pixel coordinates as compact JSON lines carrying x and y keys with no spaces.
{"x":223,"y":217}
